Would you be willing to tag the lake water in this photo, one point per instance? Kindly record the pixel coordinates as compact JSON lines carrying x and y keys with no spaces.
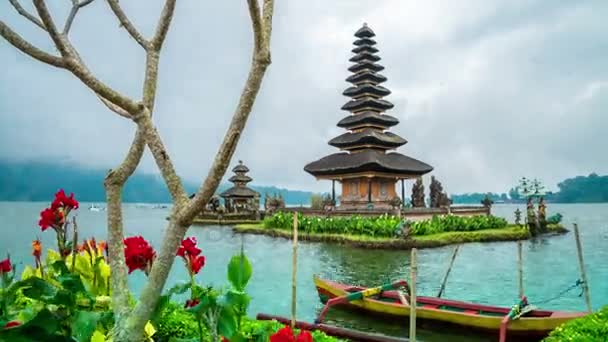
{"x":482,"y":273}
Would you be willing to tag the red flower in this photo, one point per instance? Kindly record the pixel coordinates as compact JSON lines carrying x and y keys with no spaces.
{"x":286,"y":335}
{"x":304,"y":336}
{"x":139,"y":254}
{"x":188,"y":248}
{"x":196,"y":263}
{"x":225,"y":339}
{"x":50,"y":218}
{"x":190,"y":253}
{"x":12,"y":324}
{"x":5,"y":266}
{"x":62,"y":201}
{"x":283,"y":335}
{"x":190,"y":303}
{"x":55,"y":215}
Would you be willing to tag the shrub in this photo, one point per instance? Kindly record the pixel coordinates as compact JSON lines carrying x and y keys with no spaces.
{"x":593,"y":327}
{"x":381,"y":226}
{"x":384,"y":225}
{"x":175,"y":322}
{"x":452,"y":223}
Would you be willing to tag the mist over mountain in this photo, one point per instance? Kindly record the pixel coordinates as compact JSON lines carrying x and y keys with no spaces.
{"x":38,"y":181}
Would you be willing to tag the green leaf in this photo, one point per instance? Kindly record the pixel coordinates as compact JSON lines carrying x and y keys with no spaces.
{"x":239,"y":271}
{"x":84,"y":325}
{"x":98,"y":336}
{"x":72,"y":283}
{"x":60,"y":266}
{"x":36,"y":288}
{"x":179,"y":289}
{"x":238,"y":300}
{"x":226,"y":323}
{"x":238,"y":337}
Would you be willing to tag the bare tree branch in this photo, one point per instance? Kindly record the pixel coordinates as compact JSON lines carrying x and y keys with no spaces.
{"x":161,"y":157}
{"x":26,"y":14}
{"x":76,"y":5}
{"x":163,"y":25}
{"x":113,"y":184}
{"x":256,"y":24}
{"x":261,"y":60}
{"x":267,"y":26}
{"x":126,"y":23}
{"x":151,"y":79}
{"x":48,"y":22}
{"x":22,"y":45}
{"x":116,"y":109}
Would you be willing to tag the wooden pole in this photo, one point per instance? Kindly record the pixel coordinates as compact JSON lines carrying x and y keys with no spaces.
{"x":581,"y":264}
{"x":333,"y":190}
{"x":414,"y":269}
{"x":447,"y":273}
{"x":520,"y":268}
{"x":402,"y":192}
{"x":294,"y":267}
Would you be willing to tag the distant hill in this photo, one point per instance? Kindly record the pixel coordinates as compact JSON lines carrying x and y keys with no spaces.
{"x":38,"y":181}
{"x":580,"y":189}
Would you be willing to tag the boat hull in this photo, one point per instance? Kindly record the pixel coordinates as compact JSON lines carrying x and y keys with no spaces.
{"x":461,"y":314}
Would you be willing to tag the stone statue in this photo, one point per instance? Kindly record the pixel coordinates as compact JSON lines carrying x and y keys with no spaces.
{"x":213,"y":204}
{"x":418,"y":194}
{"x":396,"y":202}
{"x":436,"y":192}
{"x":542,"y":214}
{"x":328,"y":203}
{"x":444,"y":200}
{"x":517,"y":216}
{"x":531,"y":217}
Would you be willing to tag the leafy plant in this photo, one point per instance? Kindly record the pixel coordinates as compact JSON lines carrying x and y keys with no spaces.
{"x":381,"y":226}
{"x":555,"y":219}
{"x":593,"y":327}
{"x":452,"y":223}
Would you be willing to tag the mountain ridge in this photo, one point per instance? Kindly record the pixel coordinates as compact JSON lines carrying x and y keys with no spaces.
{"x":38,"y":181}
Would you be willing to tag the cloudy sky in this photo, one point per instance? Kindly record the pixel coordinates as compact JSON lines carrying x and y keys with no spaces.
{"x":486,"y":91}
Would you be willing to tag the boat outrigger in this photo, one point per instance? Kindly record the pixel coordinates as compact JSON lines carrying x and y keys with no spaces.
{"x":393,"y":300}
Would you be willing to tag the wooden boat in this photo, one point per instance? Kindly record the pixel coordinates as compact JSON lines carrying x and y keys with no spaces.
{"x":455,"y":313}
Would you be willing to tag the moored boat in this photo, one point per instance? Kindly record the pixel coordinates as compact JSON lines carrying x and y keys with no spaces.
{"x":484,"y":318}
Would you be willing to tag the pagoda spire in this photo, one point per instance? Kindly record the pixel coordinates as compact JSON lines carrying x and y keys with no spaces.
{"x":366,"y":144}
{"x":367,"y":123}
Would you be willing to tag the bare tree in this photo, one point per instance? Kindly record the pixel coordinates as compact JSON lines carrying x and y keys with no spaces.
{"x":130,"y":322}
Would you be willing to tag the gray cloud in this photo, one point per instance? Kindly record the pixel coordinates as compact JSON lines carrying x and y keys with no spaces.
{"x":486,"y":91}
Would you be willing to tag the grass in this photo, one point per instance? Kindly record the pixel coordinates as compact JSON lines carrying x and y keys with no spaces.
{"x":510,"y":233}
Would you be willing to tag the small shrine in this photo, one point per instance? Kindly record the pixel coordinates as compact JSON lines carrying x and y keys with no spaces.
{"x":365,"y":168}
{"x":240,"y":198}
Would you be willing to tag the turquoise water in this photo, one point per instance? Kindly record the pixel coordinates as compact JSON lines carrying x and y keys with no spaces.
{"x":482,"y":273}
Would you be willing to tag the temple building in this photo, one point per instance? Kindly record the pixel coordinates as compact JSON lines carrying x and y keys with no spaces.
{"x":240,"y":198}
{"x":366,"y":166}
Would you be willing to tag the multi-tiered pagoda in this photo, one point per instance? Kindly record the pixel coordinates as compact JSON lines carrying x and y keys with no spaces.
{"x":366,"y":169}
{"x":240,"y":198}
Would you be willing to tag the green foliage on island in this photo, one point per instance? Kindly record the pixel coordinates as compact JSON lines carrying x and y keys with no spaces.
{"x":453,"y":223}
{"x":593,"y":327}
{"x":381,"y":226}
{"x":384,"y":225}
{"x":34,"y":181}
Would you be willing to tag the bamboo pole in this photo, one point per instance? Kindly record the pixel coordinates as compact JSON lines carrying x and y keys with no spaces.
{"x":447,"y":273}
{"x":414,"y":269}
{"x":581,"y":263}
{"x":294,"y":267}
{"x":520,"y":268}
